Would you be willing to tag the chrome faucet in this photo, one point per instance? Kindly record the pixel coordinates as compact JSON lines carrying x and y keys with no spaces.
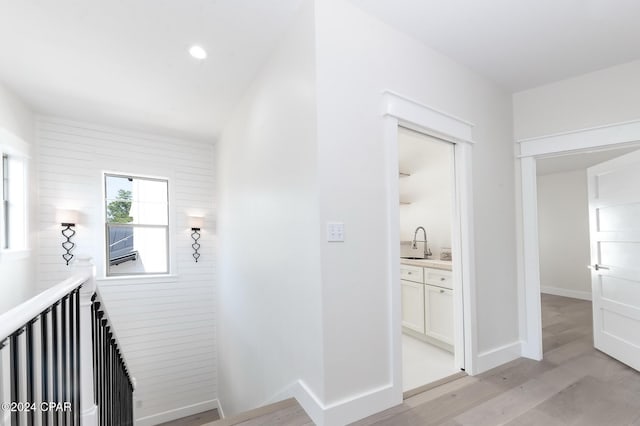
{"x":415,"y":242}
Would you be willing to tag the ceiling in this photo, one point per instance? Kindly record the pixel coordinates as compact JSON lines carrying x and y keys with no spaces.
{"x":579,"y":161}
{"x":520,"y":44}
{"x":125,"y":63}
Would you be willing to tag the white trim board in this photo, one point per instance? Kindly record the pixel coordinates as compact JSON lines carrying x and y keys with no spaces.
{"x":574,"y":294}
{"x":498,"y":356}
{"x":421,"y":117}
{"x":581,"y":140}
{"x":591,"y":137}
{"x":178,"y":413}
{"x":344,"y":411}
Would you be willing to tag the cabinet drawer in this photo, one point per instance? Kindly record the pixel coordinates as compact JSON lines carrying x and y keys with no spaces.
{"x":412,"y":273}
{"x":439,"y":278}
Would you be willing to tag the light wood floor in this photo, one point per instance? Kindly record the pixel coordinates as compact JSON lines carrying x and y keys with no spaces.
{"x":573,"y":385}
{"x":195,"y":420}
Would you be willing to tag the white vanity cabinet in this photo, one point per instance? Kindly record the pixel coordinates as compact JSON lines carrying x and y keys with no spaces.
{"x":427,"y":304}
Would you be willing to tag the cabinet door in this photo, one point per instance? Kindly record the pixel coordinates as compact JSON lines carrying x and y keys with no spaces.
{"x":413,"y":306}
{"x":438,"y":306}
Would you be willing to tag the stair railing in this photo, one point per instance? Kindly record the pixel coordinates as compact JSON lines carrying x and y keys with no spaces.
{"x":60,"y":363}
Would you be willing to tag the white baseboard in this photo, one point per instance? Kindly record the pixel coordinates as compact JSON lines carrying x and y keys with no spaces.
{"x":575,"y":294}
{"x":178,"y":413}
{"x":346,"y":410}
{"x":498,"y":356}
{"x":220,"y":412}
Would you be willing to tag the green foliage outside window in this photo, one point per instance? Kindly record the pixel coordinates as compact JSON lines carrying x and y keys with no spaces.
{"x":118,"y":210}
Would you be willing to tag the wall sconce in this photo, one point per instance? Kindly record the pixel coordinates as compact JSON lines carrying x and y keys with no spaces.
{"x":68,"y":220}
{"x":196,"y":223}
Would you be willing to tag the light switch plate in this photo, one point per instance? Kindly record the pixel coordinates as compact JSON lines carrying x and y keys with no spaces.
{"x":335,"y":232}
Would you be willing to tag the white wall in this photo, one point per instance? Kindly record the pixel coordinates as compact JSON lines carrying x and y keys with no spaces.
{"x":17,"y":276}
{"x":358,"y":58}
{"x":166,"y":324}
{"x":603,"y":97}
{"x":428,"y":190}
{"x":269,"y":277}
{"x":563,"y":229}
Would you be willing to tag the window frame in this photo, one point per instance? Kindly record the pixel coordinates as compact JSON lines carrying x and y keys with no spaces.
{"x":14,"y":210}
{"x":108,"y":226}
{"x":5,"y":201}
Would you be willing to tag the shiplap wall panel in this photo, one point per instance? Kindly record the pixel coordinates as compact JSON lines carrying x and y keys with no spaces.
{"x":166,"y":325}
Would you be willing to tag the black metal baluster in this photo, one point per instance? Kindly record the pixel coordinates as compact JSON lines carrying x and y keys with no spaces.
{"x":101,"y":382}
{"x":105,"y":385}
{"x":44,"y":363}
{"x":63,"y":359}
{"x":103,"y":370}
{"x":78,"y":385}
{"x":99,"y":365}
{"x":112,"y":394}
{"x":54,"y":352}
{"x":30,"y":369}
{"x":94,"y":342}
{"x":119,"y":388}
{"x":14,"y":369}
{"x":72,"y":358}
{"x":109,"y":384}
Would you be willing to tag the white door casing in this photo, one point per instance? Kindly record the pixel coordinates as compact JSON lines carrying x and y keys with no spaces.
{"x":402,"y":111}
{"x":615,"y":135}
{"x":614,"y":213}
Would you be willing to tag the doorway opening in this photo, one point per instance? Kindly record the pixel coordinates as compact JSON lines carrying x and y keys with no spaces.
{"x":564,"y":246}
{"x":558,"y":185}
{"x":426,"y":189}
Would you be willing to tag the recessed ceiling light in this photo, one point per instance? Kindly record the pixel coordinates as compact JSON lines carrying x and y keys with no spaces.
{"x":198,"y":52}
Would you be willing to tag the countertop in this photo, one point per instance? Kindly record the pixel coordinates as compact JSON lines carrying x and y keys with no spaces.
{"x":428,"y":263}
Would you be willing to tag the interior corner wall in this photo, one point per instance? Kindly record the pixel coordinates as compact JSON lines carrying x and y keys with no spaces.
{"x":563,"y":229}
{"x":358,"y":58}
{"x":17,"y":271}
{"x":607,"y":96}
{"x":269,"y":260}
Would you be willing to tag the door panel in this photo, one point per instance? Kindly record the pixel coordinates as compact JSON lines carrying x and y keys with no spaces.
{"x":621,"y":327}
{"x":619,"y":290}
{"x":619,"y":253}
{"x":614,"y":221}
{"x":619,"y":218}
{"x":609,"y":184}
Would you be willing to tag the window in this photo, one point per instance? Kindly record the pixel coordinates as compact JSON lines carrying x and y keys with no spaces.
{"x":5,"y":201}
{"x":137,"y":225}
{"x":14,"y":198}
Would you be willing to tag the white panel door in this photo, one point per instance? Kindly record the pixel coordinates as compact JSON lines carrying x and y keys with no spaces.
{"x":413,"y":305}
{"x":614,"y":221}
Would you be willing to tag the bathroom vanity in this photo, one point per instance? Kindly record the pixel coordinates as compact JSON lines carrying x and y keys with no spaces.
{"x":427,"y":301}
